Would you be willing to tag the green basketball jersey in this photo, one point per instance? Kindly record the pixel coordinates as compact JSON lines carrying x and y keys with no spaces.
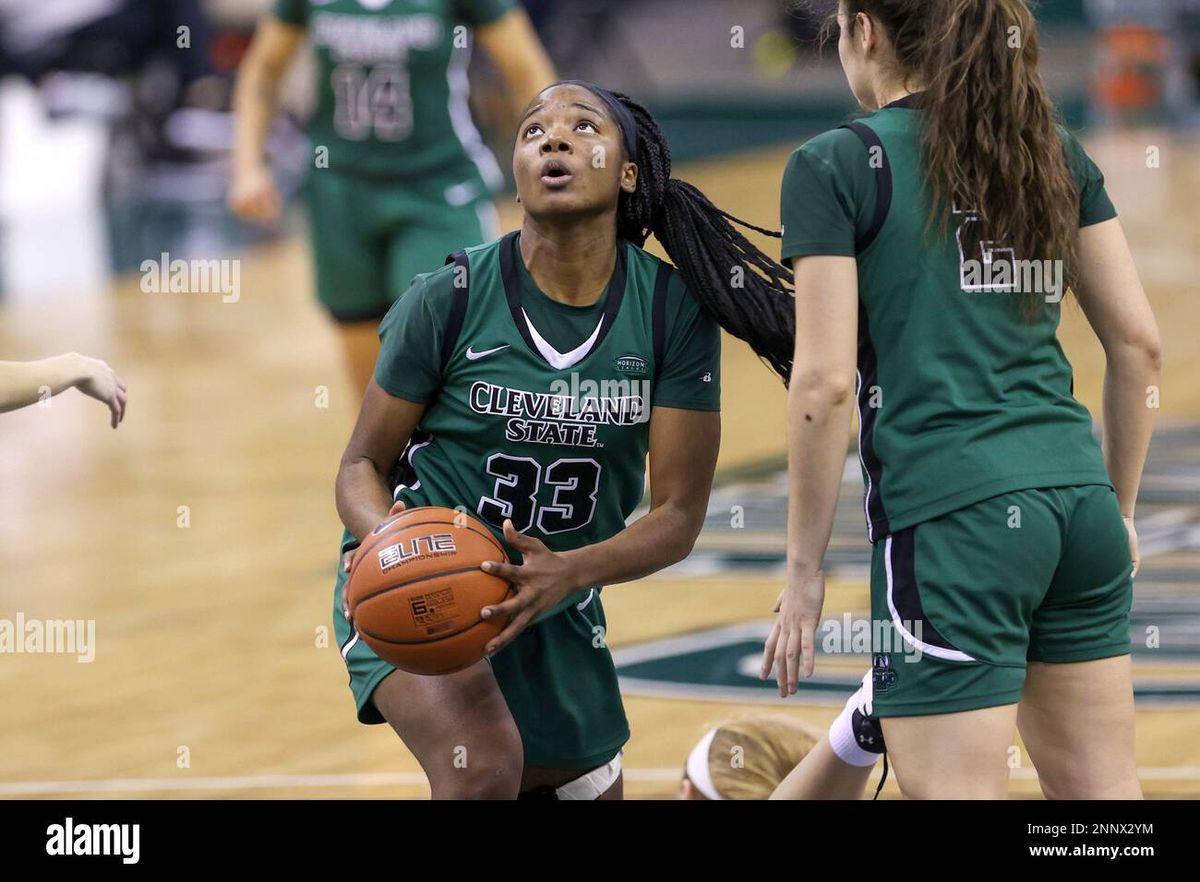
{"x":392,"y":85}
{"x":960,"y":398}
{"x":555,"y":439}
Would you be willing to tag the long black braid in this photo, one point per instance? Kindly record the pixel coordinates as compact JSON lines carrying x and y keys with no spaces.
{"x":746,"y":292}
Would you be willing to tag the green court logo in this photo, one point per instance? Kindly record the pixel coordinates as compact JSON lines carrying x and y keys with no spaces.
{"x":631,"y":364}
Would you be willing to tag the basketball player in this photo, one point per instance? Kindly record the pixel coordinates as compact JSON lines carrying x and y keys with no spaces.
{"x":1004,"y":545}
{"x":765,"y":757}
{"x":23,"y":383}
{"x":534,"y":374}
{"x":745,"y":758}
{"x":401,"y":176}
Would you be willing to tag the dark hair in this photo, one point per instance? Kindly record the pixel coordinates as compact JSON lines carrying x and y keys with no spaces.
{"x":990,"y":141}
{"x":742,"y":289}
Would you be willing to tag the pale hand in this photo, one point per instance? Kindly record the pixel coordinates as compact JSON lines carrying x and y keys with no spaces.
{"x":98,"y":380}
{"x":793,"y":639}
{"x":253,"y":195}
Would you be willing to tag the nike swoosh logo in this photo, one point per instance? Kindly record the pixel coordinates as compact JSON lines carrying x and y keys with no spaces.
{"x":472,"y":355}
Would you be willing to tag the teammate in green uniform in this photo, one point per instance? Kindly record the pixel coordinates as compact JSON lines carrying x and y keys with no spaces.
{"x":932,"y":243}
{"x":400,"y":173}
{"x":529,"y":378}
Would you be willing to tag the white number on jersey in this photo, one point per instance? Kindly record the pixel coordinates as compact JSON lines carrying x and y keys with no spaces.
{"x":372,"y":102}
{"x":977,"y":270}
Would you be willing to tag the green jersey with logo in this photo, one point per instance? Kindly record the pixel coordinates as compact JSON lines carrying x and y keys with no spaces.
{"x":537,"y":410}
{"x":392,"y":84}
{"x":960,"y":397}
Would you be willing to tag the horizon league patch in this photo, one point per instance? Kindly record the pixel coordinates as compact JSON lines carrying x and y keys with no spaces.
{"x":631,"y":364}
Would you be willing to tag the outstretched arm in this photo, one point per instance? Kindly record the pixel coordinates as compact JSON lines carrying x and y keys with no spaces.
{"x":840,"y":763}
{"x":24,"y":382}
{"x":822,"y":774}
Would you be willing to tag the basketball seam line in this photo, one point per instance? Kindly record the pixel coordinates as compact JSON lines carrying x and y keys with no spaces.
{"x":422,"y":642}
{"x":393,"y":587}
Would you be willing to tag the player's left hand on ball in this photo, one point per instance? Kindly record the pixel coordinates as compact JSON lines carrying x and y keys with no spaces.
{"x":349,"y":557}
{"x":793,"y":639}
{"x":541,"y":581}
{"x":347,"y":563}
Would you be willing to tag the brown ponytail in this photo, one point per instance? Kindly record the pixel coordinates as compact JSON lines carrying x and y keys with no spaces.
{"x":990,"y":141}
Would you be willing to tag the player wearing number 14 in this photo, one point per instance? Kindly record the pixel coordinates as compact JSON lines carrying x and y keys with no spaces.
{"x":399,"y":170}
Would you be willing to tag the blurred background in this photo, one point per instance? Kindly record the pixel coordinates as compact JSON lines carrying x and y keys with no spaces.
{"x":117,"y":123}
{"x":201,"y":536}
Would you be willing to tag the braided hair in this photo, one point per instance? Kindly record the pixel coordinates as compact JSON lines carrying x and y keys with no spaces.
{"x":743,"y":290}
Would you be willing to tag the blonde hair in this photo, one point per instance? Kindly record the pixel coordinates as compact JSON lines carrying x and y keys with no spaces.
{"x":750,"y":756}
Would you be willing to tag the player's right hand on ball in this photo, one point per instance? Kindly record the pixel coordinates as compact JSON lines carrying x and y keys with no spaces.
{"x":349,"y":556}
{"x":253,"y":195}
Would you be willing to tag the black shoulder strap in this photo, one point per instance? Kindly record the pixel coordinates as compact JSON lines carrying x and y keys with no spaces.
{"x":883,"y":183}
{"x":458,"y":309}
{"x":658,"y":314}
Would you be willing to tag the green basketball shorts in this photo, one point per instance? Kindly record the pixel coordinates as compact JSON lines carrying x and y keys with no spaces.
{"x":370,"y":237}
{"x":557,"y":677}
{"x":961,"y":603}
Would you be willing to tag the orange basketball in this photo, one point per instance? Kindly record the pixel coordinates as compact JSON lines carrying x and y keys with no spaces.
{"x":415,"y":590}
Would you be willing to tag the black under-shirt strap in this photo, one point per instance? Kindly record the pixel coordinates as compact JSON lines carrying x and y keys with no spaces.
{"x":458,"y":307}
{"x":883,"y":184}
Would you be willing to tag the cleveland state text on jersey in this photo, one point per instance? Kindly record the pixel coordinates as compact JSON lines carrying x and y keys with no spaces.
{"x":565,"y":416}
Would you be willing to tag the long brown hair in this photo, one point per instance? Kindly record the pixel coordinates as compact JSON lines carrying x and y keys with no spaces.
{"x":990,"y":142}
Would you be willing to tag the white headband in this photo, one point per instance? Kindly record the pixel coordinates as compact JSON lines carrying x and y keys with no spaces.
{"x":697,"y":767}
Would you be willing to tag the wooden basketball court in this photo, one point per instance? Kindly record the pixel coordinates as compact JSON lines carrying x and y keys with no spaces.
{"x":201,"y":536}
